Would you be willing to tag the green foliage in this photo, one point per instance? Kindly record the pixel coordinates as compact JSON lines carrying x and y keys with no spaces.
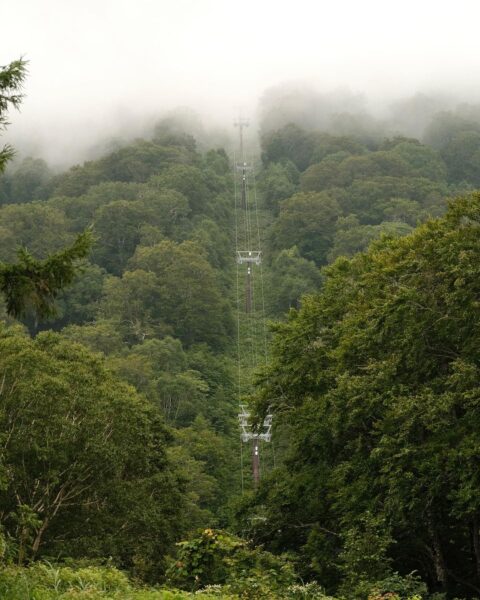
{"x":217,"y":243}
{"x":423,"y":161}
{"x":12,"y":77}
{"x":278,"y":182}
{"x":159,"y":368}
{"x":79,"y":302}
{"x":372,"y":378}
{"x":32,"y":284}
{"x":188,"y":297}
{"x":291,"y":277}
{"x":216,"y":557}
{"x":40,"y":228}
{"x":84,"y":469}
{"x":403,"y":160}
{"x":80,"y":211}
{"x":100,"y":336}
{"x":351,"y":237}
{"x":25,"y":183}
{"x":367,"y":198}
{"x":326,"y":145}
{"x":376,"y":378}
{"x":212,"y":452}
{"x":135,"y":163}
{"x":395,"y":586}
{"x":47,"y":581}
{"x":188,"y":180}
{"x":307,"y":221}
{"x":364,"y":557}
{"x":457,"y":138}
{"x":462,"y":155}
{"x":119,"y":228}
{"x":323,"y":175}
{"x":288,"y":143}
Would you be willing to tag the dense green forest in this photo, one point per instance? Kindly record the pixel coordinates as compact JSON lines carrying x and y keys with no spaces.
{"x":120,"y":469}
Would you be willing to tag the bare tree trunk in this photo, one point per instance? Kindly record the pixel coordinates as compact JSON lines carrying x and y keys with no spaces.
{"x":21,"y":546}
{"x":38,"y":537}
{"x":437,"y":554}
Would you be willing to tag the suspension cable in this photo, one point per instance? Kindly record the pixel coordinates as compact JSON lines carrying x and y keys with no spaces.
{"x":250,"y":332}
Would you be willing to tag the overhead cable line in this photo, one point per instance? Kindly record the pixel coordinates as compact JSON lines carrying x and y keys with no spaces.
{"x":248,"y":260}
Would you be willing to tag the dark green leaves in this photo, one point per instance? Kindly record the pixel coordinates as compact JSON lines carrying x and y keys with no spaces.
{"x":32,"y":285}
{"x":11,"y":80}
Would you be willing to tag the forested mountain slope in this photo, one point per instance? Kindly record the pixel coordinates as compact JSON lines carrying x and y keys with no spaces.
{"x":132,"y":441}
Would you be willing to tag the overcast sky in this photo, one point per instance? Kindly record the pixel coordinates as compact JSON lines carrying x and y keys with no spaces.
{"x":97,"y":63}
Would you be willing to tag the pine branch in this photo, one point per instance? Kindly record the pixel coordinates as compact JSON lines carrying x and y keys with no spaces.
{"x":33,"y":285}
{"x":12,"y":77}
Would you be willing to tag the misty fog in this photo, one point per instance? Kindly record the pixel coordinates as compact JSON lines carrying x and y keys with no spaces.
{"x":103,"y":72}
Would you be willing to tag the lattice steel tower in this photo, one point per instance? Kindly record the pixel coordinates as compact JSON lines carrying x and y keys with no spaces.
{"x":250,"y":312}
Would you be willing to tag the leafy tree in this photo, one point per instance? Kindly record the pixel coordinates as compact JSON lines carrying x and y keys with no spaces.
{"x":159,"y":369}
{"x":376,"y":378}
{"x":404,"y":210}
{"x":140,"y":160}
{"x":351,"y":237}
{"x":221,"y":406}
{"x":84,"y":464}
{"x":78,"y":179}
{"x":444,"y":126}
{"x":122,"y":225}
{"x":217,"y":457}
{"x":29,"y":181}
{"x":217,"y":244}
{"x":118,"y":226}
{"x":188,"y":180}
{"x":306,"y":220}
{"x":358,"y":125}
{"x":133,"y":304}
{"x":181,"y":127}
{"x":462,"y":156}
{"x":79,"y":303}
{"x":100,"y":336}
{"x":323,"y":175}
{"x":422,"y":160}
{"x":189,"y":297}
{"x":168,"y":210}
{"x":277,"y":183}
{"x":372,"y":165}
{"x":404,"y":159}
{"x":288,"y":143}
{"x":135,"y":163}
{"x":326,"y":144}
{"x":218,"y":161}
{"x":80,"y":211}
{"x":367,"y":198}
{"x":36,"y":226}
{"x":290,"y":278}
{"x":170,"y":133}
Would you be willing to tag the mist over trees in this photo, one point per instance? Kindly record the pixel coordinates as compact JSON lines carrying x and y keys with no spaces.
{"x":119,"y":433}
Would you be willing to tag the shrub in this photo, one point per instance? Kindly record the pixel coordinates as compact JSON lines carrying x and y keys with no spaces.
{"x":219,"y":558}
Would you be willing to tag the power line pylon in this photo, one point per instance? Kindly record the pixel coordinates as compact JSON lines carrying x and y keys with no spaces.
{"x":241,"y":123}
{"x":249,"y":258}
{"x":247,"y":433}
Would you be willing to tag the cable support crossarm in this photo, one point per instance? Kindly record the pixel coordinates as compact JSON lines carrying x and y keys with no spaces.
{"x":251,"y":327}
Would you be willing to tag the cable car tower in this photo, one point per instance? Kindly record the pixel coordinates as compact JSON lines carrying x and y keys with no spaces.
{"x":251,"y":330}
